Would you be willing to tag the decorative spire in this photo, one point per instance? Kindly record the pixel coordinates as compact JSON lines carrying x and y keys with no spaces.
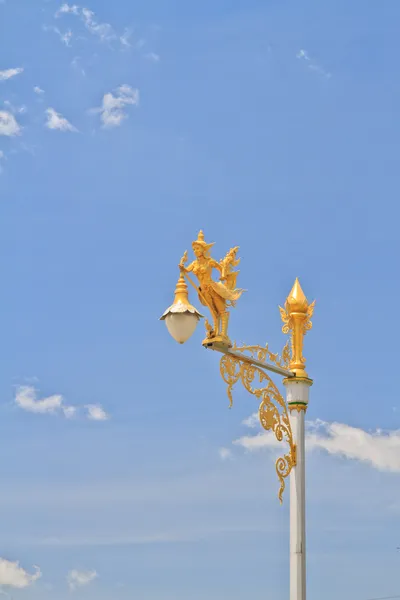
{"x":181,"y":291}
{"x":296,"y":317}
{"x":297,"y":301}
{"x":200,"y":237}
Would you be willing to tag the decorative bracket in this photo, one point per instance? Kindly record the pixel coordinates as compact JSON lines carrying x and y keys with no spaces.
{"x":273,"y":412}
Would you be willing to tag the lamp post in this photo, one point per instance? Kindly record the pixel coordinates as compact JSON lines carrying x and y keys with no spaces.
{"x":250,"y":365}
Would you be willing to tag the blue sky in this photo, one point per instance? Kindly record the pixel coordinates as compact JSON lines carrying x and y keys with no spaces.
{"x":124,"y":129}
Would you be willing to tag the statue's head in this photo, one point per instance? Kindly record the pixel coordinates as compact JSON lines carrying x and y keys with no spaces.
{"x":200,"y":247}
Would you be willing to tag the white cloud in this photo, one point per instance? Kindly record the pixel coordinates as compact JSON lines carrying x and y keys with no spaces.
{"x":57,"y":121}
{"x":303,"y":54}
{"x":225,"y":453}
{"x":8,"y":73}
{"x":78,"y":579}
{"x":67,"y":9}
{"x":252,"y":421}
{"x":12,"y":575}
{"x":96,"y":413}
{"x":38,"y":90}
{"x":379,"y":449}
{"x":69,"y":412}
{"x":312,"y":65}
{"x":112,"y":110}
{"x":8,"y":124}
{"x":64,"y":37}
{"x":104,"y":31}
{"x":25,"y":398}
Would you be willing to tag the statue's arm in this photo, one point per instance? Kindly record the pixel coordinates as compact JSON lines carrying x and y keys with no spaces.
{"x":215,"y":265}
{"x":190,"y":267}
{"x":182,"y":265}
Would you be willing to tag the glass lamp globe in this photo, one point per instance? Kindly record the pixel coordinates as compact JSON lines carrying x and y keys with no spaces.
{"x":181,"y":325}
{"x":181,"y":318}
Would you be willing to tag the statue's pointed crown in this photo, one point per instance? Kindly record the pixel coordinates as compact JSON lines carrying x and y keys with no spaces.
{"x":201,"y":241}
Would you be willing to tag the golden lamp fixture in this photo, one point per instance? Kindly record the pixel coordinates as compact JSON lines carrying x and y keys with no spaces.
{"x":245,"y":364}
{"x":181,"y":317}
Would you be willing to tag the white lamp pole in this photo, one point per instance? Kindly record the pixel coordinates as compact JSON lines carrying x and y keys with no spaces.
{"x":297,"y":392}
{"x":296,"y":316}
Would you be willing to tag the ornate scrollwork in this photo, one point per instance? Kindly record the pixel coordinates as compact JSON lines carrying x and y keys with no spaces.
{"x":273,"y":411}
{"x":263,"y":353}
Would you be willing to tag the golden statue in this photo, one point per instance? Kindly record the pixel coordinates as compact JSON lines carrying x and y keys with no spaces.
{"x":216,"y":295}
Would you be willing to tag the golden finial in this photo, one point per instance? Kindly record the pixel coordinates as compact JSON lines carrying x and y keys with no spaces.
{"x":297,"y":299}
{"x":181,"y":291}
{"x":181,"y":317}
{"x":296,"y":317}
{"x":200,"y":237}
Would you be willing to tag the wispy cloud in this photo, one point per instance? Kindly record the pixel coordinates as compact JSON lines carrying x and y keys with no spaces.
{"x":26,"y":399}
{"x":153,"y":56}
{"x":75,"y":64}
{"x":312,"y":64}
{"x":96,"y":413}
{"x":38,"y":90}
{"x":13,"y":575}
{"x":8,"y":124}
{"x":65,"y":37}
{"x":225,"y":453}
{"x":379,"y":449}
{"x":9,"y":73}
{"x":15,"y":109}
{"x":125,"y":38}
{"x":77,"y":579}
{"x":57,"y":121}
{"x":66,"y":9}
{"x":104,"y":31}
{"x":69,"y":411}
{"x":112,"y":111}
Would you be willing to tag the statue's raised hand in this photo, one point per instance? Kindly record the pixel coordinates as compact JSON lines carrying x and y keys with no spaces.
{"x":183,"y":261}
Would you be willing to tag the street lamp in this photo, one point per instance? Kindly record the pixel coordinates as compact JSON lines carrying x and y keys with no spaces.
{"x":248,"y":364}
